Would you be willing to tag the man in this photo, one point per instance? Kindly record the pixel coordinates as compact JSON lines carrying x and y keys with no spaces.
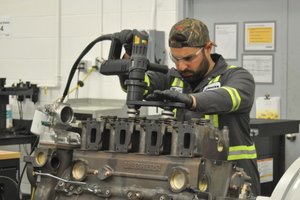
{"x":209,"y":88}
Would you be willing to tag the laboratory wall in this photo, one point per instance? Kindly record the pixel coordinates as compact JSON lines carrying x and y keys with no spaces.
{"x":44,"y":38}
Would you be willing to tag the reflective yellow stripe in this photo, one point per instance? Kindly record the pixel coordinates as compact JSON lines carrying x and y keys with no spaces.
{"x":216,"y":121}
{"x":147,"y":80}
{"x":242,"y":156}
{"x":175,"y":112}
{"x":177,"y":83}
{"x":235,"y":97}
{"x":216,"y":79}
{"x":174,"y":82}
{"x":213,"y":119}
{"x":181,"y":84}
{"x":242,"y":152}
{"x":242,"y":147}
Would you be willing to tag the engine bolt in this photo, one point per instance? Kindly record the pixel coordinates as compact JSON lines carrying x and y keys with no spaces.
{"x":137,"y":195}
{"x":71,"y":188}
{"x":129,"y":194}
{"x":61,"y":183}
{"x":162,"y":198}
{"x":79,"y":189}
{"x":107,"y":192}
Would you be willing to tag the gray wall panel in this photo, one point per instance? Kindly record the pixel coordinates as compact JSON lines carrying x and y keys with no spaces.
{"x":293,"y":81}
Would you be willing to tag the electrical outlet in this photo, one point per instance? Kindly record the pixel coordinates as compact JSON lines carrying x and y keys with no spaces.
{"x":83,"y":65}
{"x":98,"y":63}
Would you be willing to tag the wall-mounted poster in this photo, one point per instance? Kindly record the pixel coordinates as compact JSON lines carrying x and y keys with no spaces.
{"x":260,"y":66}
{"x":226,"y":40}
{"x":259,"y":36}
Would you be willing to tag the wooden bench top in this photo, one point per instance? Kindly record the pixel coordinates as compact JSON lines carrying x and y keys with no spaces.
{"x":9,"y":155}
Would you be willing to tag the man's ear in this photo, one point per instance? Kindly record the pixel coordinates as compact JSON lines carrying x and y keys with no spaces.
{"x":208,"y":48}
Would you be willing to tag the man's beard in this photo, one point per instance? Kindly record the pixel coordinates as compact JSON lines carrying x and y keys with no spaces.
{"x":199,"y":74}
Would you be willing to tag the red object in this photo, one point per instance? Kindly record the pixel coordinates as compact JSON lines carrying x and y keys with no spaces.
{"x":179,"y":27}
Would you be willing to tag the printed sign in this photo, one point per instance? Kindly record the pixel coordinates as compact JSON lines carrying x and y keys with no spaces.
{"x":5,"y":27}
{"x":265,"y":169}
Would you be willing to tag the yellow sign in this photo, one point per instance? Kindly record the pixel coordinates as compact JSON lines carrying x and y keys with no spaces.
{"x":268,"y":108}
{"x":260,"y":35}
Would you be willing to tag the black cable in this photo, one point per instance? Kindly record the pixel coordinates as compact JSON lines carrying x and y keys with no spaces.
{"x":76,"y":95}
{"x":75,"y":65}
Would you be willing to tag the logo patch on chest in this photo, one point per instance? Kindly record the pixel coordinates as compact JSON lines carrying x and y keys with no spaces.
{"x":212,"y":86}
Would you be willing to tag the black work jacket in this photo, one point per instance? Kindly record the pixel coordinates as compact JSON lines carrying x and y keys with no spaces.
{"x":230,"y":98}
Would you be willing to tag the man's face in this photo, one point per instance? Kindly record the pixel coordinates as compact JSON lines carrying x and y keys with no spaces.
{"x":191,"y":62}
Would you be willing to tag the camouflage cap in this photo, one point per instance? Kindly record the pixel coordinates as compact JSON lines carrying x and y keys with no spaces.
{"x":195,"y":33}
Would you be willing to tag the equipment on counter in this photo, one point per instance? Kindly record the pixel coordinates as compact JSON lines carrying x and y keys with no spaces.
{"x":21,"y":90}
{"x":132,"y":157}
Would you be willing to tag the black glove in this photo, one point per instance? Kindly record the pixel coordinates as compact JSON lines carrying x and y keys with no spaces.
{"x":172,"y":95}
{"x":126,"y":39}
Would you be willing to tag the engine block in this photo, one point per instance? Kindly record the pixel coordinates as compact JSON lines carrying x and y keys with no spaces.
{"x":134,"y":158}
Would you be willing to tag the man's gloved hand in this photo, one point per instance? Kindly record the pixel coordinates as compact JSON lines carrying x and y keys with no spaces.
{"x":126,"y":39}
{"x":172,"y":95}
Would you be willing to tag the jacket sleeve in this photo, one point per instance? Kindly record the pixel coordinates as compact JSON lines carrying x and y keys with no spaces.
{"x":157,"y":81}
{"x":154,"y":80}
{"x":122,"y":79}
{"x":236,"y":94}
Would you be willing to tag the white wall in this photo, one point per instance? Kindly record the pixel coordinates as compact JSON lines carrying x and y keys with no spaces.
{"x":47,"y":37}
